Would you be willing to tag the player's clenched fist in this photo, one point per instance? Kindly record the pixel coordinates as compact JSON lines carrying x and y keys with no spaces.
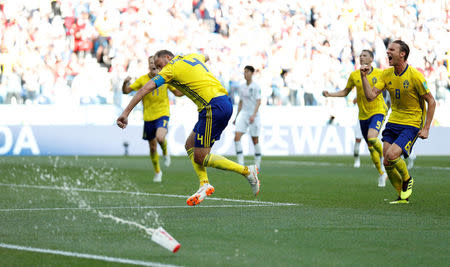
{"x":122,"y":121}
{"x":365,"y":69}
{"x":423,"y":133}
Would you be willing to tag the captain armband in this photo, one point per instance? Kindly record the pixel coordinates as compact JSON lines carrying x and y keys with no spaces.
{"x":159,"y":80}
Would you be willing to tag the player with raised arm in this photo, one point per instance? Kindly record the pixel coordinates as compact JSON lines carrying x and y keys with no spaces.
{"x":156,"y":116}
{"x":409,"y":118}
{"x":371,"y":114}
{"x":247,"y":117}
{"x":191,"y":76}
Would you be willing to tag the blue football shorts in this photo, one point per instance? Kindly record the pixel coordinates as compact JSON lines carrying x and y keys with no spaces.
{"x":403,"y":135}
{"x":150,"y":127}
{"x":374,"y":122}
{"x":212,"y":120}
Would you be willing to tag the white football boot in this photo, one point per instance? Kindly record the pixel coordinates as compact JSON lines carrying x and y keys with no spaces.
{"x":204,"y":191}
{"x":158,"y":177}
{"x":253,"y":179}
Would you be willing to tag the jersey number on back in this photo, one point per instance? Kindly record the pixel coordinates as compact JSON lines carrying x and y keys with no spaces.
{"x":195,"y":63}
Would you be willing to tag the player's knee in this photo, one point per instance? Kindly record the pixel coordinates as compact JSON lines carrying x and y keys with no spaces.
{"x":372,"y":135}
{"x":199,"y":158}
{"x":160,"y":139}
{"x":189,"y":142}
{"x":390,"y":156}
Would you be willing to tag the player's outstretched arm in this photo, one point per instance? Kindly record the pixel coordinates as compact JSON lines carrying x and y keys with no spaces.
{"x":341,"y":93}
{"x":371,"y":93}
{"x":424,"y":132}
{"x":122,"y":121}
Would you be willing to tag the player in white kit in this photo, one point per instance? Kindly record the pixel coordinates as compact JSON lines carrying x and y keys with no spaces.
{"x":247,"y":117}
{"x":358,"y":138}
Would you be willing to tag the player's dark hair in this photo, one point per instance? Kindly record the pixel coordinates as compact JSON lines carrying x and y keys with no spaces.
{"x":403,"y":47}
{"x":250,"y":68}
{"x":162,"y":53}
{"x":368,"y":51}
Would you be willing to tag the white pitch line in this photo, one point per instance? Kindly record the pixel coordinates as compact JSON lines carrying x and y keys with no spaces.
{"x":142,"y":207}
{"x":435,"y":168}
{"x":144,"y":194}
{"x":87,"y":256}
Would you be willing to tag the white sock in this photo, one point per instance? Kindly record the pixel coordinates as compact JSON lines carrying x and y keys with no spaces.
{"x":257,"y":155}
{"x":356,"y":149}
{"x":239,"y":154}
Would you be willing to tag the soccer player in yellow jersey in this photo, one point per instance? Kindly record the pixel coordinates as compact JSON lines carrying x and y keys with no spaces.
{"x":409,"y":118}
{"x":191,"y":76}
{"x":371,"y":114}
{"x":156,"y":116}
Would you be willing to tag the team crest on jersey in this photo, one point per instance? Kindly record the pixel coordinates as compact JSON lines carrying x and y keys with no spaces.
{"x":374,"y":80}
{"x":405,"y":84}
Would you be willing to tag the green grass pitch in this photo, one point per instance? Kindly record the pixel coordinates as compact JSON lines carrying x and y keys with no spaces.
{"x":340,"y":216}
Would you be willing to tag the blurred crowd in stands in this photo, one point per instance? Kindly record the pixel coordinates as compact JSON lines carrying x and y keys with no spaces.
{"x":79,"y":51}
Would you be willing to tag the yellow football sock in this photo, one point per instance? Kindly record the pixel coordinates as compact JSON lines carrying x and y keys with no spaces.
{"x":199,"y":169}
{"x":219,"y":162}
{"x":376,"y":159}
{"x":376,"y":143}
{"x":155,"y":161}
{"x":394,"y":177}
{"x":164,"y":147}
{"x":400,"y":165}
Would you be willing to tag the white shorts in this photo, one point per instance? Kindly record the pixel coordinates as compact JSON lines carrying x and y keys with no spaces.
{"x":243,"y":124}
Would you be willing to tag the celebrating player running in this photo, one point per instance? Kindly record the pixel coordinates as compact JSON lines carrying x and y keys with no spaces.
{"x":191,"y":76}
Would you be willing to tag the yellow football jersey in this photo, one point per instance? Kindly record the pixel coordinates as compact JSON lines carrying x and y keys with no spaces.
{"x":405,"y":89}
{"x":191,"y":76}
{"x":367,"y":108}
{"x":156,"y":103}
